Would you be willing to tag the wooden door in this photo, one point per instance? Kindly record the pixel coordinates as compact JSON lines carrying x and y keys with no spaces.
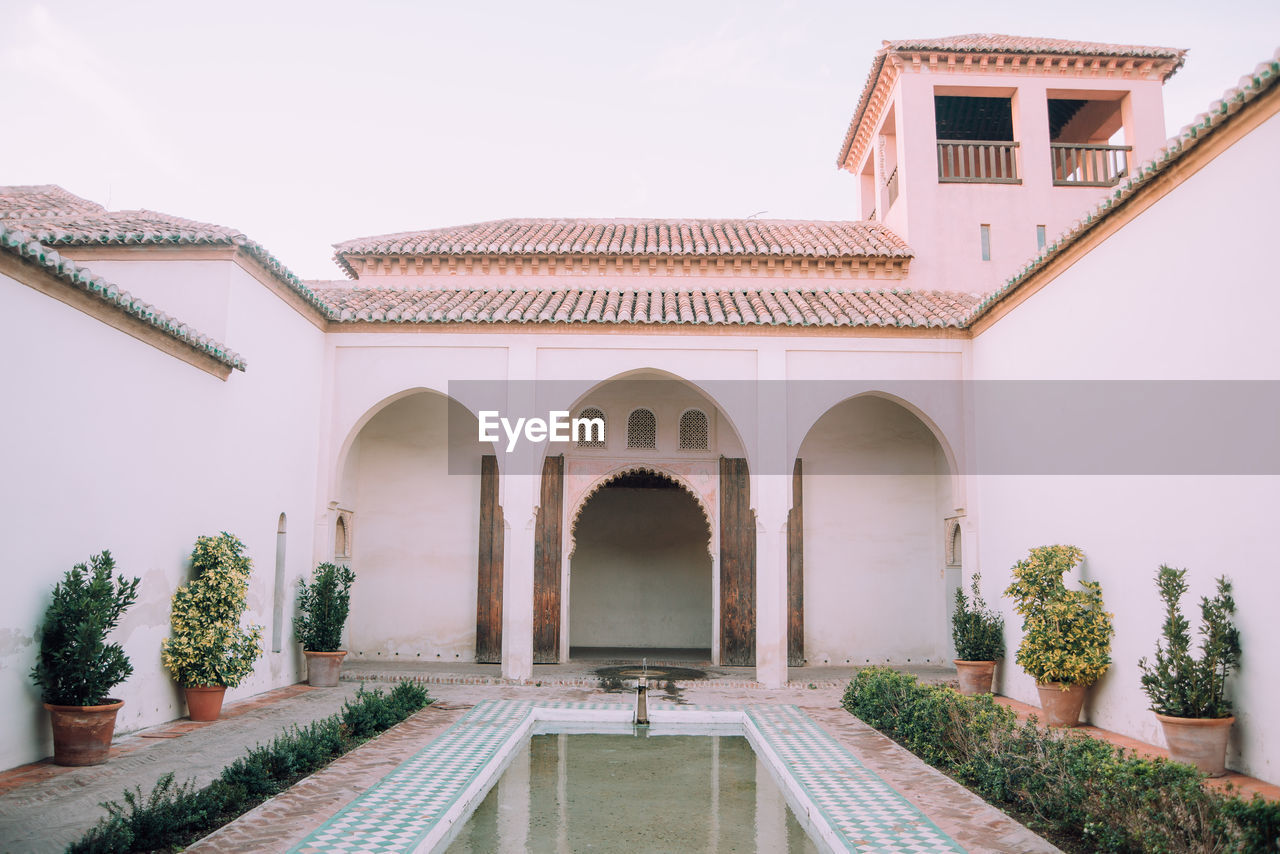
{"x":546,"y":563}
{"x":795,"y":572}
{"x":489,"y":589}
{"x":737,"y":566}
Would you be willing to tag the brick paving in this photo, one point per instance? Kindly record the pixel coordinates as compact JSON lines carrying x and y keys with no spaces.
{"x":285,"y":820}
{"x":44,"y":807}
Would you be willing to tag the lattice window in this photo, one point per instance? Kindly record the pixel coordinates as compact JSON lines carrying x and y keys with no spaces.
{"x":693,"y":430}
{"x":589,"y":435}
{"x":642,"y":429}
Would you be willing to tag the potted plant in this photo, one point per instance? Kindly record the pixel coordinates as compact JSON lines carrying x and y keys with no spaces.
{"x":1188,"y":694}
{"x":322,"y":612}
{"x":209,"y":651}
{"x":978,"y":633}
{"x":1066,"y":640}
{"x":77,"y":668}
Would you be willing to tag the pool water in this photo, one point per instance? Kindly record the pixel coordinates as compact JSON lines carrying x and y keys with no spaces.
{"x":678,"y":793}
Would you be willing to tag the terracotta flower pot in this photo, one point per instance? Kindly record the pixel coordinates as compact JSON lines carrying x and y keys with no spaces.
{"x":975,"y":676}
{"x":82,"y":734}
{"x":1061,"y":708}
{"x":1201,"y":742}
{"x":323,"y":668}
{"x":204,"y":702}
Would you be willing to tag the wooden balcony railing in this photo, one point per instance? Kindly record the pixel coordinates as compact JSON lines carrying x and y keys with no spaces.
{"x":891,"y":188}
{"x":1080,"y":165}
{"x":978,"y":162}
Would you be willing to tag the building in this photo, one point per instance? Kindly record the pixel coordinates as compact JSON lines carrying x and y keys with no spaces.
{"x":813,"y":430}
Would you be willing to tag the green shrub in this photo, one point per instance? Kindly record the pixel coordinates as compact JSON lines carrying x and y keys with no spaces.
{"x":174,"y":815}
{"x":1081,"y":792}
{"x":1066,"y":634}
{"x":208,"y":645}
{"x":323,"y":606}
{"x":77,"y":667}
{"x":1177,"y":683}
{"x":978,"y":632}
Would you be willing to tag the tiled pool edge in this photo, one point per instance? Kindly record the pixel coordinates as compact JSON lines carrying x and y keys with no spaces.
{"x":423,"y":802}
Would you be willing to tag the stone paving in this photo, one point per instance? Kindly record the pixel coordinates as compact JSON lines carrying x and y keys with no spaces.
{"x":288,"y":818}
{"x":44,"y":807}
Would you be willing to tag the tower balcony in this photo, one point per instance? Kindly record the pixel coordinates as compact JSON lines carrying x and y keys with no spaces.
{"x":1083,"y":165}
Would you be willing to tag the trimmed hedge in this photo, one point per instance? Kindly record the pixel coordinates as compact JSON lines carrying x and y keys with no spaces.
{"x":172,"y":815}
{"x":1083,"y":793}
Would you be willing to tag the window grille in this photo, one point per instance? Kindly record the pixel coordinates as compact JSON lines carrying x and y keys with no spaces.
{"x":693,"y":430}
{"x":642,"y":429}
{"x":584,"y":434}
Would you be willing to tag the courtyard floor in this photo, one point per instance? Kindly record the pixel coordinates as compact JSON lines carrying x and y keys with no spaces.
{"x":44,"y":807}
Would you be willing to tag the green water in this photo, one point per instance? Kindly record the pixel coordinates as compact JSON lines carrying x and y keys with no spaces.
{"x":676,"y":793}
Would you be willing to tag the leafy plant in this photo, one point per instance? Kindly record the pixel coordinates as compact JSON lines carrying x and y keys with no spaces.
{"x":322,"y":608}
{"x":77,"y":667}
{"x":172,"y":816}
{"x":978,"y":631}
{"x":1177,"y":683}
{"x":1083,"y":793}
{"x":1066,"y":633}
{"x":208,"y":645}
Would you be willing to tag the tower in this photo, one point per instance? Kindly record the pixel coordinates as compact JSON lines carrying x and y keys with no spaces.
{"x":977,"y":149}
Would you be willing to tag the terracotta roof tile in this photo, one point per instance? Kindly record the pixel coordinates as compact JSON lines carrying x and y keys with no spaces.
{"x":997,"y":43}
{"x":1263,"y":78}
{"x":689,"y":306}
{"x":24,"y":245}
{"x":37,"y":201}
{"x":638,"y":237}
{"x":67,"y":220}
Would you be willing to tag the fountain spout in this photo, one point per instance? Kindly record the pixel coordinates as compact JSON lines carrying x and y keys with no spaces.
{"x":642,"y":702}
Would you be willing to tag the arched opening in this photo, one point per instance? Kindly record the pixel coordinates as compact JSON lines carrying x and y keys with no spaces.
{"x":412,"y":478}
{"x":341,"y":541}
{"x":641,"y":572}
{"x":877,"y":489}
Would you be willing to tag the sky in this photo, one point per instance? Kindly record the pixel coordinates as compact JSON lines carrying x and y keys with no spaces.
{"x":306,"y":123}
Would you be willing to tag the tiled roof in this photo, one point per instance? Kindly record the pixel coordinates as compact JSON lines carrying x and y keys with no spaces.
{"x":997,"y":43}
{"x":24,"y":245}
{"x":1250,"y":87}
{"x":42,"y":200}
{"x":633,"y":237}
{"x":68,"y":220}
{"x":705,"y":306}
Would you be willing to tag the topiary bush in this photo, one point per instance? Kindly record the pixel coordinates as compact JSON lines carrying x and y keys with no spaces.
{"x":323,"y":606}
{"x":1177,"y":683}
{"x":208,"y":646}
{"x":1066,"y":634}
{"x":976,"y":630}
{"x":76,"y":665}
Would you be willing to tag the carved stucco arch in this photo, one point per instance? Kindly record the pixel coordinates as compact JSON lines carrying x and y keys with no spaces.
{"x":708,"y":516}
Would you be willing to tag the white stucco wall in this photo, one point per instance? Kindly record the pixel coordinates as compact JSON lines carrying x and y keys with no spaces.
{"x":874,"y":583}
{"x":116,"y":445}
{"x":641,"y":574}
{"x":1142,"y":305}
{"x":414,"y":537}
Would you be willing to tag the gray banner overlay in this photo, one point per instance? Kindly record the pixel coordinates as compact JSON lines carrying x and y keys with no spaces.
{"x":1076,"y":427}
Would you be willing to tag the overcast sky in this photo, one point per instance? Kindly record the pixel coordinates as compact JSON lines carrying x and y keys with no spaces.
{"x":307,"y":123}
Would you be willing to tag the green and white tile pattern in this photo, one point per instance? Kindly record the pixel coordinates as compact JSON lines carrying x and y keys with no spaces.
{"x":861,"y":812}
